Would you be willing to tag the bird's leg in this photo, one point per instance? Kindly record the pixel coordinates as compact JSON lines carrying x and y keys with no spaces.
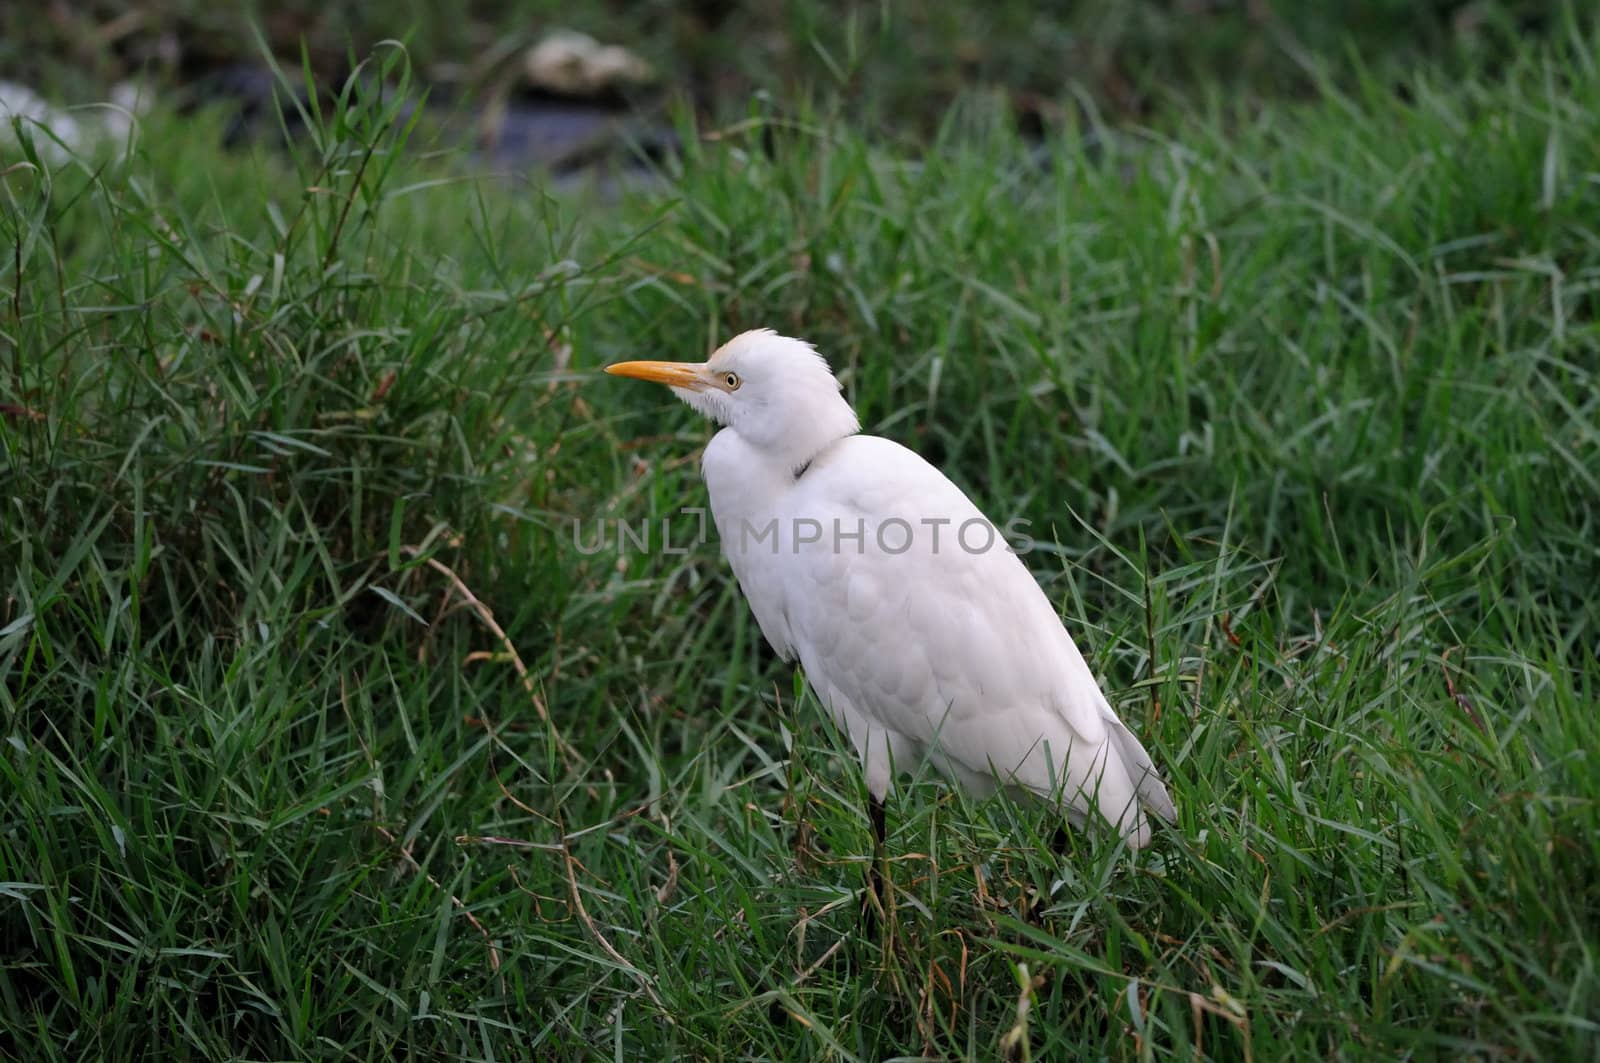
{"x":1060,"y":841}
{"x":878,"y":901}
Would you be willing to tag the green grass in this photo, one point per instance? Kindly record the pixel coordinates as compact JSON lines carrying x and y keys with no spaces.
{"x":1306,"y":412}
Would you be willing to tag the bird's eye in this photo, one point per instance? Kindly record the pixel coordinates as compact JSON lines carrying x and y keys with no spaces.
{"x":731,"y":379}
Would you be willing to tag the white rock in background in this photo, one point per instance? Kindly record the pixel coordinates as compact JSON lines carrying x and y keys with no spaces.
{"x":76,"y":134}
{"x":578,"y":65}
{"x":129,"y":100}
{"x":19,"y":101}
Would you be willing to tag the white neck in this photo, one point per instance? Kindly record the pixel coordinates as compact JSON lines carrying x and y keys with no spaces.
{"x":743,"y":482}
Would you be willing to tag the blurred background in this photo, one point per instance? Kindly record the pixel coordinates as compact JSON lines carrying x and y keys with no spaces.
{"x":539,"y":83}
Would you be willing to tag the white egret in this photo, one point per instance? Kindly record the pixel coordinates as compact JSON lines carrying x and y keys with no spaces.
{"x":915,"y":624}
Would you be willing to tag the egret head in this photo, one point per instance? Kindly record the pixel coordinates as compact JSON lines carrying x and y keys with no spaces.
{"x":777,"y":393}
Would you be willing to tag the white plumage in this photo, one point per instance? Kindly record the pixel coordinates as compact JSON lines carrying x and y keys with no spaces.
{"x":917,"y":627}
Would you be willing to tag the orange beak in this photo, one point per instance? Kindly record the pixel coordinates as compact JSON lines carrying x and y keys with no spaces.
{"x":673,"y":374}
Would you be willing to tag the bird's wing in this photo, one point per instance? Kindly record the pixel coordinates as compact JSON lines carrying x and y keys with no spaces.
{"x":937,"y":640}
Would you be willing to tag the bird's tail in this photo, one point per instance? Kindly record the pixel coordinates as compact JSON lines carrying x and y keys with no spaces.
{"x":1142,"y":770}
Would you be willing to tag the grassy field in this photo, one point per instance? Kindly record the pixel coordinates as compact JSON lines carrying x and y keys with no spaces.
{"x":324,"y":738}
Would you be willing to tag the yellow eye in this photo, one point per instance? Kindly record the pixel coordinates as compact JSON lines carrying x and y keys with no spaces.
{"x":732,"y":380}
